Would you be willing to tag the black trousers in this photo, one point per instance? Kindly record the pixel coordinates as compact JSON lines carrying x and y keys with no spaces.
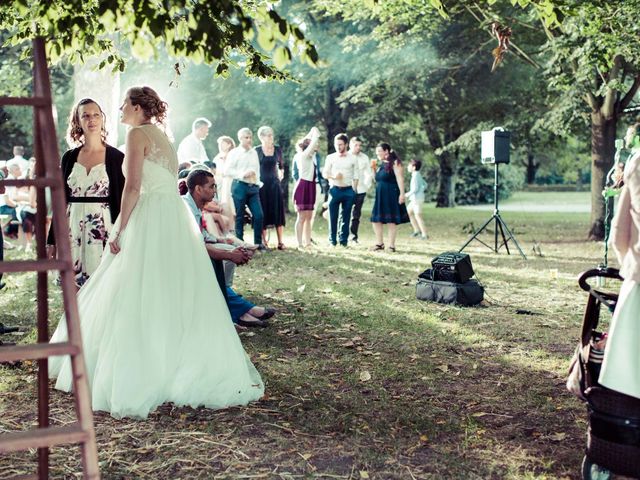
{"x":356,"y":213}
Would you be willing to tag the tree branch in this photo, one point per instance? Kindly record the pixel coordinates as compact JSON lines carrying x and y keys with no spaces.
{"x":591,"y":101}
{"x":626,"y":100}
{"x":609,"y":104}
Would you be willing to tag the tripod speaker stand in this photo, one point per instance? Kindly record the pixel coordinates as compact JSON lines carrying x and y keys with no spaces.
{"x":499,"y":225}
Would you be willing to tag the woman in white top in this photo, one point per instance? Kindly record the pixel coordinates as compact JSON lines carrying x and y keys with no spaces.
{"x":304,"y":193}
{"x":225,"y":145}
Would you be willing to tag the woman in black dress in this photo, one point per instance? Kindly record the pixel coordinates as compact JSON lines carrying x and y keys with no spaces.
{"x":271,"y":172}
{"x":389,"y":207}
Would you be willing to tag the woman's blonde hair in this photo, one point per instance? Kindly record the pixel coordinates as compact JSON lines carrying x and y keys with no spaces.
{"x":152,"y":105}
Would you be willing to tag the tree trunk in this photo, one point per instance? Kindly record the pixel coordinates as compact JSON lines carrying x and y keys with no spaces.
{"x":336,"y":118}
{"x":285,"y":144}
{"x":446,"y":186}
{"x":532,"y":168}
{"x":603,"y":135}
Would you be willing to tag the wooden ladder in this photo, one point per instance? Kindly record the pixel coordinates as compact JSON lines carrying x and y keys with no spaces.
{"x":48,"y":174}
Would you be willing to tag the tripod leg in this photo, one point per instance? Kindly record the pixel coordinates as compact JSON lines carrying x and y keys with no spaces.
{"x":511,"y":236}
{"x":476,"y":233}
{"x":504,"y":239}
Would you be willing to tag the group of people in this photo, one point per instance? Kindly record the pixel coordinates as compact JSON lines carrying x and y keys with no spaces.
{"x":350,"y":174}
{"x":17,"y":204}
{"x":251,"y":178}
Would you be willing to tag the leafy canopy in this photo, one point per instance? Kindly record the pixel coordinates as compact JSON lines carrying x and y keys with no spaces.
{"x":223,"y":33}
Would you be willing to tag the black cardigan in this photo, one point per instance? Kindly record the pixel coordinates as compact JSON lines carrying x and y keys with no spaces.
{"x":113,"y":166}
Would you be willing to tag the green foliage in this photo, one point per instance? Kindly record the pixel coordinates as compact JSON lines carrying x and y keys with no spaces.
{"x":216,"y":32}
{"x":474,"y":182}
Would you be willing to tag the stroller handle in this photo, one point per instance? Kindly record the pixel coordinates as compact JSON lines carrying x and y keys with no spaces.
{"x":606,"y":272}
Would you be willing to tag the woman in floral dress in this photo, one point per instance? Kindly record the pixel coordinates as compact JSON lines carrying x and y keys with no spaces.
{"x":93,"y":174}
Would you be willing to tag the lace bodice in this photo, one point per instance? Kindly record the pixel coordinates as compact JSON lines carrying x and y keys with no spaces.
{"x":162,"y":152}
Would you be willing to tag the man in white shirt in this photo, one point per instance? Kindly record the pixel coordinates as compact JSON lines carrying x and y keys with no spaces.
{"x":191,"y":148}
{"x":365,"y":175}
{"x":341,"y":170}
{"x":18,"y":157}
{"x":243,"y":166}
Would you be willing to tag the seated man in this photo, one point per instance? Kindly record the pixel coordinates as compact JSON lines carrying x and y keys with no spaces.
{"x":202,"y":186}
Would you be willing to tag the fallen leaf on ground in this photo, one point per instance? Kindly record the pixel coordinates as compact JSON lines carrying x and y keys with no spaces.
{"x":364,"y":474}
{"x":558,"y":437}
{"x":443,"y":368}
{"x":365,"y":376}
{"x":301,"y":289}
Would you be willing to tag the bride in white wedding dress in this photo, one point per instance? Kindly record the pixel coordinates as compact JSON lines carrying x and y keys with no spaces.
{"x":155,"y":325}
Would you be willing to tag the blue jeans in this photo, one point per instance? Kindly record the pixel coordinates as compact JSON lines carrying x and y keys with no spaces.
{"x":340,"y":197}
{"x":238,"y":306}
{"x":247,"y":194}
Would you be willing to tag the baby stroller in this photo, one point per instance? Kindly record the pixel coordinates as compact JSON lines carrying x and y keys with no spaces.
{"x":613,"y":436}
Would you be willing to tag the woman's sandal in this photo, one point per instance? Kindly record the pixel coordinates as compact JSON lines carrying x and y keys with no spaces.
{"x":378,"y":248}
{"x":392,"y":249}
{"x":281,"y":246}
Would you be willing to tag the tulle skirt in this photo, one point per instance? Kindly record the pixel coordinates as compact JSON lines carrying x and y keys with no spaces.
{"x":155,"y":324}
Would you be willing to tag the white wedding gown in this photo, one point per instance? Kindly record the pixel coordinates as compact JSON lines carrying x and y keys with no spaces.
{"x":155,"y":325}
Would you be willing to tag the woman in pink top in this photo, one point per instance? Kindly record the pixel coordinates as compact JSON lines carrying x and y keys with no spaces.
{"x":621,"y":365}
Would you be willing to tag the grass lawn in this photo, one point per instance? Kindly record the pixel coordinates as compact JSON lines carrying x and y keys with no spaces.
{"x":362,"y":380}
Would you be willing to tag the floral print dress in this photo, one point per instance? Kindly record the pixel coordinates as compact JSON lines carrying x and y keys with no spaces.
{"x":89,"y":223}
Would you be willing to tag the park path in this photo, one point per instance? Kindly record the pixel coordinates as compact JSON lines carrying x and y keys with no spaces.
{"x":563,"y":202}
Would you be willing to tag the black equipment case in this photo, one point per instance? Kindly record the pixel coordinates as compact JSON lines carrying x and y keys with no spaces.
{"x":467,"y":293}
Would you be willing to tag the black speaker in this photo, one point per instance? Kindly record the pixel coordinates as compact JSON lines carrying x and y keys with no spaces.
{"x":495,"y":146}
{"x":452,"y":267}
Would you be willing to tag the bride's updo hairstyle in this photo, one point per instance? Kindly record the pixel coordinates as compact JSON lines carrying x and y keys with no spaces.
{"x":150,"y":102}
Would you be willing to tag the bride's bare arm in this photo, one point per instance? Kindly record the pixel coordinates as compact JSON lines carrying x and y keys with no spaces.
{"x":136,"y":145}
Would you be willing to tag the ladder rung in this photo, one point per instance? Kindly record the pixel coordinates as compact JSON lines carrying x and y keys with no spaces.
{"x":36,"y":351}
{"x":31,"y":182}
{"x":33,"y":266}
{"x":34,"y":101}
{"x":42,"y":437}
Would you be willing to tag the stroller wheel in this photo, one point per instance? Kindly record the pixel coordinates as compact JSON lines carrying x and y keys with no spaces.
{"x":592,"y":471}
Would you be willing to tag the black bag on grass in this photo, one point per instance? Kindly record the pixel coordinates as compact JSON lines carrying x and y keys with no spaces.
{"x":466,"y":294}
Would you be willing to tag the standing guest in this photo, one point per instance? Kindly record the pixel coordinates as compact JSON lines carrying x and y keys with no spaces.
{"x":415,"y":197}
{"x":18,"y":156}
{"x":94,"y":183}
{"x":620,"y":367}
{"x":191,"y":148}
{"x":389,"y":207}
{"x":365,"y":180}
{"x":25,"y":208}
{"x":243,"y":166}
{"x":225,"y":145}
{"x":8,"y":205}
{"x":305,"y":170}
{"x":271,"y":196}
{"x":155,"y":326}
{"x":341,"y":170}
{"x":322,"y":185}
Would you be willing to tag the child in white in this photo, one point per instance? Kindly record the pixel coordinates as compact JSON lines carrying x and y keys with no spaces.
{"x":415,"y":199}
